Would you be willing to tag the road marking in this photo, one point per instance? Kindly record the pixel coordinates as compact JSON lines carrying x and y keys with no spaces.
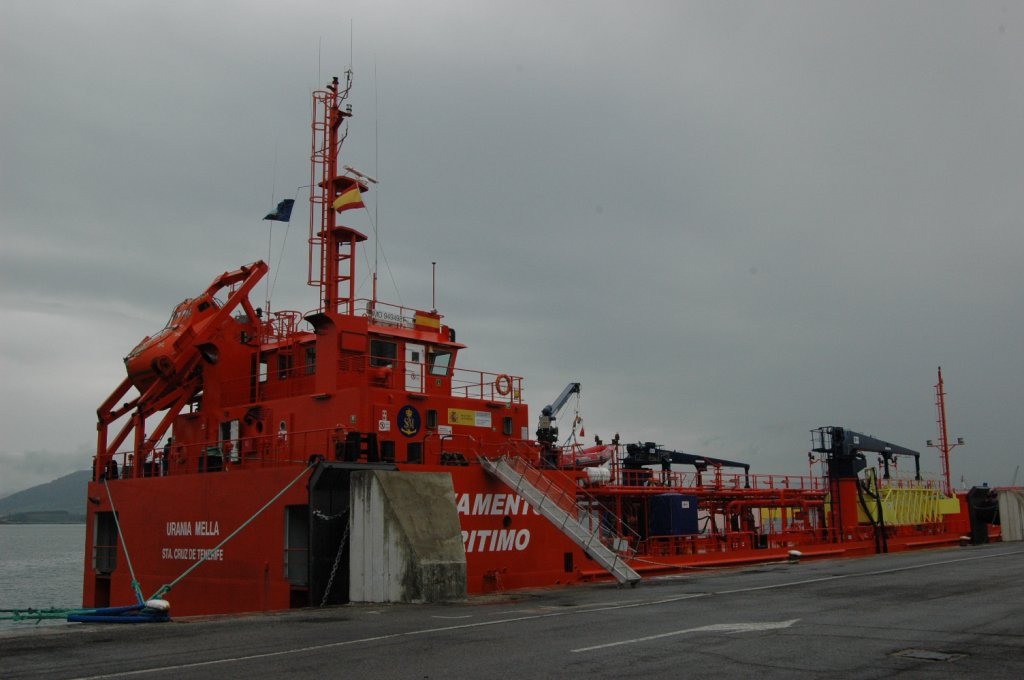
{"x":877,"y":572}
{"x":713,"y":628}
{"x":565,"y":612}
{"x":734,"y":627}
{"x":563,"y":607}
{"x":378,"y":638}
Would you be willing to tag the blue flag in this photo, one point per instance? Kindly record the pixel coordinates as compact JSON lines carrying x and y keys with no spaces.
{"x":283,"y":212}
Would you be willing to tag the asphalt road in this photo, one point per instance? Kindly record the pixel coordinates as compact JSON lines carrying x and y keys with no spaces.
{"x":936,"y":614}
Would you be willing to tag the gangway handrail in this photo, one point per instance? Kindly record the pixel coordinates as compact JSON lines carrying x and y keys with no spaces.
{"x":570,"y":504}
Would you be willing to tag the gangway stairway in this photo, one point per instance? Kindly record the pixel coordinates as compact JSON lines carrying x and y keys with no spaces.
{"x":562,"y":510}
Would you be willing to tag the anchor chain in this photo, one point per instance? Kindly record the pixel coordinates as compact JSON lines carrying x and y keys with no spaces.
{"x":334,"y":568}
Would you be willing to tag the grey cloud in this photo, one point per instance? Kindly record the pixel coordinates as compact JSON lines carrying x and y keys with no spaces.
{"x":732,"y":222}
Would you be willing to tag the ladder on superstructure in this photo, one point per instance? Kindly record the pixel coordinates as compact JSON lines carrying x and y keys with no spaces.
{"x":332,"y":247}
{"x":563,"y":510}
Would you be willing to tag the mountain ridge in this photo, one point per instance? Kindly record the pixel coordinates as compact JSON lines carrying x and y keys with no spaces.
{"x":62,"y":500}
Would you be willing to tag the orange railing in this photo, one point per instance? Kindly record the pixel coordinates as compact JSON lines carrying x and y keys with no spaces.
{"x":472,"y":384}
{"x":709,"y":480}
{"x":300,"y":379}
{"x":281,"y":325}
{"x":267,"y":450}
{"x":273,"y":449}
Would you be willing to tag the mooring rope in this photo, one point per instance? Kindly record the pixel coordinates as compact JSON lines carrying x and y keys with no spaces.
{"x":37,"y":615}
{"x":166,"y":588}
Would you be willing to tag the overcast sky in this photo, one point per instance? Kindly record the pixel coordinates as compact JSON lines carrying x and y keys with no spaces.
{"x":732,"y":222}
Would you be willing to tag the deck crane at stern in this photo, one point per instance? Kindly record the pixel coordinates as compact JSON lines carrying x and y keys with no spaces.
{"x":844,"y":454}
{"x":547,"y":428}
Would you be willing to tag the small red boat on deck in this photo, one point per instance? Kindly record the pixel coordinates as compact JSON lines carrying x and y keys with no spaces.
{"x":256,"y":460}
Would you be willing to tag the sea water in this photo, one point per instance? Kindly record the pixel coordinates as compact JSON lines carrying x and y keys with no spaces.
{"x":41,"y":566}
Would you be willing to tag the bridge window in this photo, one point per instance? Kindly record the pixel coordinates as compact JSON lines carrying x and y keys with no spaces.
{"x":263,"y":369}
{"x":284,"y":365}
{"x":439,"y":362}
{"x":383,"y":353}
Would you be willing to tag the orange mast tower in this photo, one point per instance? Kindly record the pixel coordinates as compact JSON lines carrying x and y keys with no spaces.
{"x":334,"y":273}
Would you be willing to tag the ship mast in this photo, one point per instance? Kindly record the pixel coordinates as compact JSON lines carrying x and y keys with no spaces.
{"x":943,"y":446}
{"x":332,"y":247}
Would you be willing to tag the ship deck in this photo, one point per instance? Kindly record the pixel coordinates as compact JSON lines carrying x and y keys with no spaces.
{"x":916,"y":615}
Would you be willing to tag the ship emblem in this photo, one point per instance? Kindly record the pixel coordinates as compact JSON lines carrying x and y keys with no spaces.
{"x":409,"y":421}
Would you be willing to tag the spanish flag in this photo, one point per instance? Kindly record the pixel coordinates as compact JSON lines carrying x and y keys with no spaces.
{"x":350,"y":198}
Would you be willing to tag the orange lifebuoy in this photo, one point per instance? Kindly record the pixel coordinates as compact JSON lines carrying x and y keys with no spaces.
{"x":503,"y":384}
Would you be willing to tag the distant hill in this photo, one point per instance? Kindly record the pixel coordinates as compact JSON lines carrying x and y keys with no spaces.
{"x":62,"y":500}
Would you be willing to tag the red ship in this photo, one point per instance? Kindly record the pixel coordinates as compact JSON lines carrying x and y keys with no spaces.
{"x":255,"y":460}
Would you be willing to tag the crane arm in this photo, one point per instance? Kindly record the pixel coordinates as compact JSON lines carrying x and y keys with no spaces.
{"x":649,"y":453}
{"x":846,"y":448}
{"x":547,"y":430}
{"x":554,"y":407}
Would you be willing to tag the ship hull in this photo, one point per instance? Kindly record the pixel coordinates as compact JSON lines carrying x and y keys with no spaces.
{"x":271,"y":542}
{"x":168,"y":524}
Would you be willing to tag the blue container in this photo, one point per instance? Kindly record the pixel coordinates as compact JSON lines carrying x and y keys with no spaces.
{"x":673,"y":514}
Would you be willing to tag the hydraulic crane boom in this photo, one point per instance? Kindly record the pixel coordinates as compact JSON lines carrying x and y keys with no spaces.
{"x":547,"y":430}
{"x":554,"y":407}
{"x":845,"y":451}
{"x":649,"y":453}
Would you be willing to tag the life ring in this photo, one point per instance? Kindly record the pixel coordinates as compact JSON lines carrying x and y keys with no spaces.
{"x":503,"y":385}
